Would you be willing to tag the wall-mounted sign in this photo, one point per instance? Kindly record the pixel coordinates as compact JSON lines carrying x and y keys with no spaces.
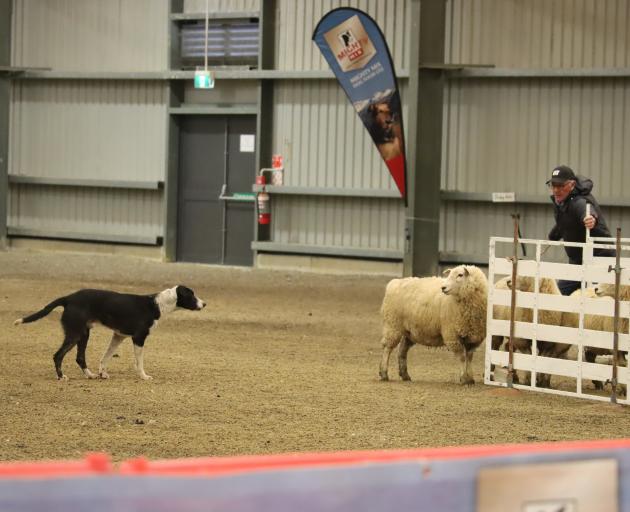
{"x":204,"y":79}
{"x":503,"y":197}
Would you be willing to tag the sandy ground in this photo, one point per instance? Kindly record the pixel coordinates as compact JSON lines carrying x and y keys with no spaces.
{"x":277,"y":362}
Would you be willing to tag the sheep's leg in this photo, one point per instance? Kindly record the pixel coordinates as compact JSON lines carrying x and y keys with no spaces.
{"x":389,"y":343}
{"x":497,"y":342}
{"x":589,"y":357}
{"x":387,"y":350}
{"x":465,"y":357}
{"x":402,"y":358}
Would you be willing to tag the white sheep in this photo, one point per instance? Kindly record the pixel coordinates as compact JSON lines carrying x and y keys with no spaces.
{"x":545,"y":317}
{"x":435,"y":312}
{"x":598,"y":322}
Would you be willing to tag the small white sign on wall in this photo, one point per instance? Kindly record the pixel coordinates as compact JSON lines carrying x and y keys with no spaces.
{"x":248,"y":143}
{"x":503,"y":197}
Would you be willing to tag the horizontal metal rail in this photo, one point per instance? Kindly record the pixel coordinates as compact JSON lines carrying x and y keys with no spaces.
{"x":88,"y":183}
{"x":227,"y":15}
{"x":86,"y":237}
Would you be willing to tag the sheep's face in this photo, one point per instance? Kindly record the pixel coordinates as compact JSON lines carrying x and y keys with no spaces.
{"x":526,"y":284}
{"x":455,"y":280}
{"x":605,"y":290}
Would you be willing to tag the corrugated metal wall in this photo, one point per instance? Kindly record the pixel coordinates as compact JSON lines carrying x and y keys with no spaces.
{"x":296,"y":21}
{"x":197,"y":6}
{"x":334,"y":221}
{"x":86,"y":129}
{"x":106,"y":130}
{"x":90,"y":35}
{"x":323,"y":142}
{"x":506,"y":134}
{"x":500,"y":134}
{"x":539,"y":33}
{"x":119,"y":215}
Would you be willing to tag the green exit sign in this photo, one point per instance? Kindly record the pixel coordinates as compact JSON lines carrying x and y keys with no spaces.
{"x":204,"y":79}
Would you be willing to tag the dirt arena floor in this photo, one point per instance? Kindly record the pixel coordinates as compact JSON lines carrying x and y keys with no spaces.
{"x":277,"y":362}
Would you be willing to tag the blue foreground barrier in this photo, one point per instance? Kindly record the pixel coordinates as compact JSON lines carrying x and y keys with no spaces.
{"x":421,"y":480}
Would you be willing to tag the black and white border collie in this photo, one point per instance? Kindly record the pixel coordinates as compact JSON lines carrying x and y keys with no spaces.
{"x":126,"y":314}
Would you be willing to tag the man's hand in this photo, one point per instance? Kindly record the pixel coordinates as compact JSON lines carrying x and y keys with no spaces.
{"x":590,"y":221}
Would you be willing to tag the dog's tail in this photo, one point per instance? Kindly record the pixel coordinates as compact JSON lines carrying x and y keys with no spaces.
{"x":61,"y":301}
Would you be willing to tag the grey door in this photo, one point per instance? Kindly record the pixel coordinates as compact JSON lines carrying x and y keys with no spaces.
{"x":215,"y":163}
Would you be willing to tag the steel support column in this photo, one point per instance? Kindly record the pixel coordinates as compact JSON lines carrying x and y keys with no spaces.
{"x":424,"y":152}
{"x":264,"y":118}
{"x":5,"y":60}
{"x":175,"y":98}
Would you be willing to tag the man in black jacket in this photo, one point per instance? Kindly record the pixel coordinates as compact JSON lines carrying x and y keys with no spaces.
{"x":570,"y":195}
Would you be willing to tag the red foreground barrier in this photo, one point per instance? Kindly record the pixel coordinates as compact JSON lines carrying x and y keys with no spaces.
{"x":92,"y":464}
{"x":100,"y":463}
{"x":215,"y":466}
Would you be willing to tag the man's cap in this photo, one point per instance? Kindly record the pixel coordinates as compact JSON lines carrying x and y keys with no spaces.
{"x":561,"y":174}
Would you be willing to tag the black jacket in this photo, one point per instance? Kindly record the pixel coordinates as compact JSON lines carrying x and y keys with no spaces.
{"x":569,"y":220}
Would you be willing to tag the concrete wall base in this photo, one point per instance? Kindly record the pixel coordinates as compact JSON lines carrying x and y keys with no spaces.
{"x":38,"y":244}
{"x":328,"y":265}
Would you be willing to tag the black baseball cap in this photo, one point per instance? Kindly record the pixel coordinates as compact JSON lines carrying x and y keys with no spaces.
{"x":561,"y":174}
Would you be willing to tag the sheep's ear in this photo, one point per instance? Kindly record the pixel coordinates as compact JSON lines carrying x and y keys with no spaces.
{"x":446,"y":272}
{"x":466,"y":271}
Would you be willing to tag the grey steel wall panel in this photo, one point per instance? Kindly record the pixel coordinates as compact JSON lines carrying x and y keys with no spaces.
{"x":341,"y":222}
{"x":91,"y":35}
{"x":197,"y":6}
{"x":296,"y":21}
{"x":85,"y":211}
{"x":322,"y":139}
{"x":539,"y":33}
{"x":88,"y":129}
{"x":465,"y":227}
{"x":506,"y":135}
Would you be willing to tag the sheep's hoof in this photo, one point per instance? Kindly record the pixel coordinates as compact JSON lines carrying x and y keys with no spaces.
{"x":466,"y":380}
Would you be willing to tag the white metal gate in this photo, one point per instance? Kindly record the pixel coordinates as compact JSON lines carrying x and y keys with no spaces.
{"x":594,"y":270}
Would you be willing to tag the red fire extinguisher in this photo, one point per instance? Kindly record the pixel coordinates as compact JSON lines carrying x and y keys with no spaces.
{"x":264,"y":209}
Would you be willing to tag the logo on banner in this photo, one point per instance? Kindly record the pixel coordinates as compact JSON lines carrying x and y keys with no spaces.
{"x":350,"y":44}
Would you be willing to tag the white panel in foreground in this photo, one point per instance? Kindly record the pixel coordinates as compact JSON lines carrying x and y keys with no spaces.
{"x":584,"y":486}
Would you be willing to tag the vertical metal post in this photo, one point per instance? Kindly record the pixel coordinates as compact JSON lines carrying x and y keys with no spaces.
{"x":5,"y":60}
{"x":424,"y":136}
{"x":224,"y":190}
{"x":617,"y":270}
{"x":171,"y":172}
{"x":205,"y":39}
{"x":510,"y":375}
{"x":264,"y":118}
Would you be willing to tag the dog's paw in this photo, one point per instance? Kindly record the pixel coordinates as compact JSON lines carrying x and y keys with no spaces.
{"x":144,"y":376}
{"x":63,"y":378}
{"x":103,"y":374}
{"x":88,"y":374}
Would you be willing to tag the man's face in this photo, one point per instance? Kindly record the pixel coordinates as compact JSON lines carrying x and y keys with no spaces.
{"x":561,"y":191}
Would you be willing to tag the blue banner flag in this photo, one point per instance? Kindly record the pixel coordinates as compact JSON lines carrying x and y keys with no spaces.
{"x":356,"y":50}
